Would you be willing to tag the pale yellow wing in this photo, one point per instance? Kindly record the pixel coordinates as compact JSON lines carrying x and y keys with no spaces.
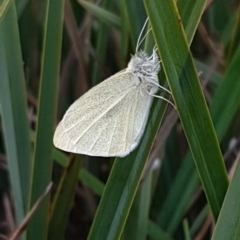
{"x":106,"y":121}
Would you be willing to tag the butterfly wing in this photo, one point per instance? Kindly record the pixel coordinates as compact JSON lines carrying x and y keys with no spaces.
{"x":108,"y":120}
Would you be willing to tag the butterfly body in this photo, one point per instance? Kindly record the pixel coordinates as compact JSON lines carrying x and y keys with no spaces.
{"x":110,"y":118}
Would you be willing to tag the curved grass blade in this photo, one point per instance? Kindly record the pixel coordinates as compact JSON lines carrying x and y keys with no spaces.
{"x":192,"y":109}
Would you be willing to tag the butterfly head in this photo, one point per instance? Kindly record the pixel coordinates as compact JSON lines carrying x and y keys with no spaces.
{"x":144,"y":66}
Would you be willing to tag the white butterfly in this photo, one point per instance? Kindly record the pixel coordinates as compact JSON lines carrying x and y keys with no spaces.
{"x":109,"y":120}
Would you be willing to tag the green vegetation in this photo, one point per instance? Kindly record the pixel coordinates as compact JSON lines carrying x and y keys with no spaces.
{"x":181,"y":182}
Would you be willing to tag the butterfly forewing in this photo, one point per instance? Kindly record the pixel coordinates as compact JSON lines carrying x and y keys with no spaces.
{"x":106,"y":121}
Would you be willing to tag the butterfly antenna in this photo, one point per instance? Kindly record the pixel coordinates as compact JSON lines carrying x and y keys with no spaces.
{"x":164,"y":89}
{"x":160,"y":97}
{"x":165,"y":99}
{"x":145,"y":36}
{"x":140,"y":35}
{"x":159,"y":86}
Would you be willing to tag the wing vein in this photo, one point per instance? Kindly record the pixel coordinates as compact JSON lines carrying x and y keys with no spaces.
{"x":110,"y":146}
{"x":99,"y":117}
{"x":105,"y":100}
{"x":127,"y":125}
{"x":94,"y":143}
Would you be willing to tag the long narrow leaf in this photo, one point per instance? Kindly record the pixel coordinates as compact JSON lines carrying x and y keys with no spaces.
{"x":64,"y":199}
{"x":101,"y":13}
{"x":46,"y":117}
{"x":122,"y":185}
{"x":228,"y":224}
{"x":137,"y":222}
{"x":123,"y":181}
{"x":14,"y":108}
{"x":192,"y":109}
{"x":187,"y":179}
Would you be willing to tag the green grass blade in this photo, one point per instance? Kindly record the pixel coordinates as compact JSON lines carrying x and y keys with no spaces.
{"x":98,"y":187}
{"x":46,"y":117}
{"x":101,"y":47}
{"x":191,"y":12}
{"x":91,"y":181}
{"x":192,"y":109}
{"x":20,"y":6}
{"x":182,"y":189}
{"x":124,"y":31}
{"x":136,"y":17}
{"x":5,"y":4}
{"x":122,"y":185}
{"x":102,"y":14}
{"x":88,"y":179}
{"x":228,"y":223}
{"x":123,"y":182}
{"x":187,"y":177}
{"x":64,"y":199}
{"x":186,"y":230}
{"x":14,"y":108}
{"x":199,"y":220}
{"x":228,"y":91}
{"x":157,"y":233}
{"x":137,"y":222}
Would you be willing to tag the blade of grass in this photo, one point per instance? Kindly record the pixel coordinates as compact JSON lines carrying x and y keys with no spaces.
{"x":156,"y":233}
{"x":124,"y":35}
{"x":91,"y":181}
{"x":189,"y":99}
{"x":64,"y":199}
{"x":137,"y":222}
{"x":187,"y":178}
{"x":227,"y":90}
{"x":46,"y":117}
{"x":136,"y":17}
{"x":199,"y":220}
{"x":122,"y":185}
{"x":181,"y":191}
{"x":102,"y":14}
{"x":98,"y":187}
{"x":191,"y":12}
{"x":115,"y":229}
{"x":20,"y":6}
{"x":14,"y":108}
{"x":18,"y":232}
{"x":123,"y":181}
{"x":5,"y":4}
{"x":87,"y":178}
{"x":186,"y":230}
{"x":235,"y":36}
{"x":101,"y":46}
{"x":228,"y":223}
